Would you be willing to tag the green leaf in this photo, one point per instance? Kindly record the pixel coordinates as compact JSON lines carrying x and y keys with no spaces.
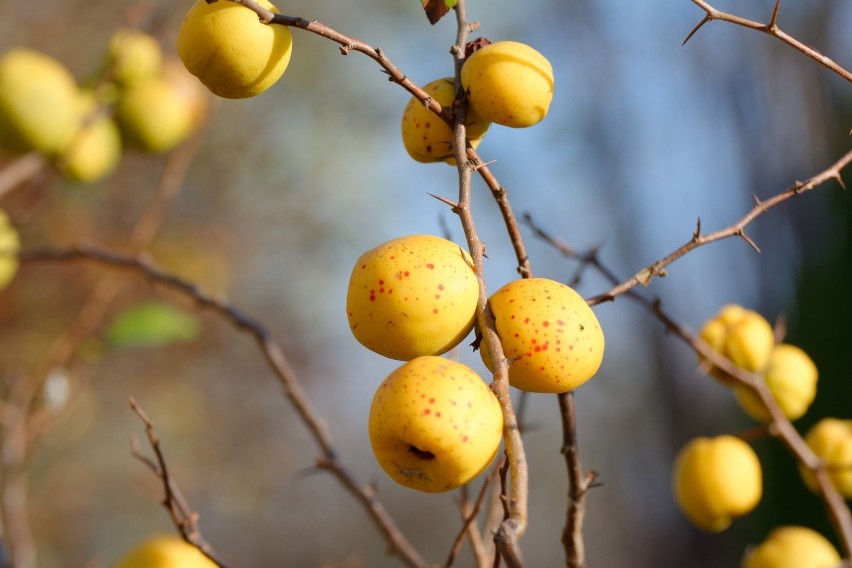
{"x":152,"y":324}
{"x":437,"y":9}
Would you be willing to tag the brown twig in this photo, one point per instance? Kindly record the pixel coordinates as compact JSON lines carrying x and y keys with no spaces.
{"x":277,"y":361}
{"x":183,"y":516}
{"x":771,"y":29}
{"x":469,"y":515}
{"x":27,"y":388}
{"x":512,"y":529}
{"x":656,"y":269}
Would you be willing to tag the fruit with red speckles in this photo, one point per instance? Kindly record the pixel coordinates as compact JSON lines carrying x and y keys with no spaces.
{"x":792,"y":379}
{"x":166,"y":551}
{"x":741,"y":335}
{"x":426,"y":137}
{"x":792,"y":547}
{"x":231,"y":51}
{"x":411,"y":296}
{"x":715,"y":480}
{"x":508,"y":83}
{"x":831,"y":440}
{"x":434,"y":424}
{"x":550,"y":336}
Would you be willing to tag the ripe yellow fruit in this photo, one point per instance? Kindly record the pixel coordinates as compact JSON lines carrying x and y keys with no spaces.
{"x":508,"y":83}
{"x":791,"y":376}
{"x":411,"y":296}
{"x":831,"y":440}
{"x":95,"y":150}
{"x":164,"y":552}
{"x":792,"y":547}
{"x":227,"y":47}
{"x":715,"y":480}
{"x":155,"y":115}
{"x":434,"y":424}
{"x":9,"y":246}
{"x":134,"y":56}
{"x":741,"y":335}
{"x":39,"y":103}
{"x":426,"y":137}
{"x":550,"y":335}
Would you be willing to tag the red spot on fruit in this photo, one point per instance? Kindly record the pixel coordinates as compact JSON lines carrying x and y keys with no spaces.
{"x":437,"y":415}
{"x":440,"y":286}
{"x":435,"y":311}
{"x":427,"y":411}
{"x":381,"y":282}
{"x":465,"y":438}
{"x":560,"y":322}
{"x":406,"y":273}
{"x":431,"y":401}
{"x":545,"y":324}
{"x":430,"y":266}
{"x":526,"y":320}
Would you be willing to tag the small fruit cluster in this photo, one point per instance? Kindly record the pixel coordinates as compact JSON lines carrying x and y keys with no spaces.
{"x":144,"y":100}
{"x":434,"y":424}
{"x":716,"y":480}
{"x":748,"y":341}
{"x":506,"y":82}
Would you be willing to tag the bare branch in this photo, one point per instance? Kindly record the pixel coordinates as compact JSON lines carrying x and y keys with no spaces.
{"x":277,"y":361}
{"x":645,"y":275}
{"x":183,"y":516}
{"x":771,"y":29}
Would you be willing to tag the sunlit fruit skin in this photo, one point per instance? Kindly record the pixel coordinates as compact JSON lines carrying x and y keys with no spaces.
{"x":831,"y":440}
{"x":155,"y":116}
{"x":426,"y":137}
{"x":164,"y":552}
{"x":411,"y":296}
{"x":741,"y":335}
{"x":715,"y":480}
{"x":134,"y":56}
{"x":791,"y":377}
{"x":95,"y":150}
{"x":792,"y":547}
{"x":508,"y":83}
{"x":434,"y":424}
{"x":9,"y":245}
{"x":550,"y":336}
{"x":227,"y":47}
{"x":39,"y":103}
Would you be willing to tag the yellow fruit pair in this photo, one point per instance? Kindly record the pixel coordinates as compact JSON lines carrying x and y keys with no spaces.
{"x":716,"y":480}
{"x":417,"y":295}
{"x":748,"y":341}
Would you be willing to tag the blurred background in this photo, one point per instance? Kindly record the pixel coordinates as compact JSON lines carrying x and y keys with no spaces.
{"x":285,"y":190}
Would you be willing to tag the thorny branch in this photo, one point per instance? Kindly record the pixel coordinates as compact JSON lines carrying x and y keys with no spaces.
{"x":512,"y":529}
{"x":780,"y":427}
{"x":183,"y":516}
{"x":770,"y":28}
{"x":655,"y":269}
{"x":277,"y":361}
